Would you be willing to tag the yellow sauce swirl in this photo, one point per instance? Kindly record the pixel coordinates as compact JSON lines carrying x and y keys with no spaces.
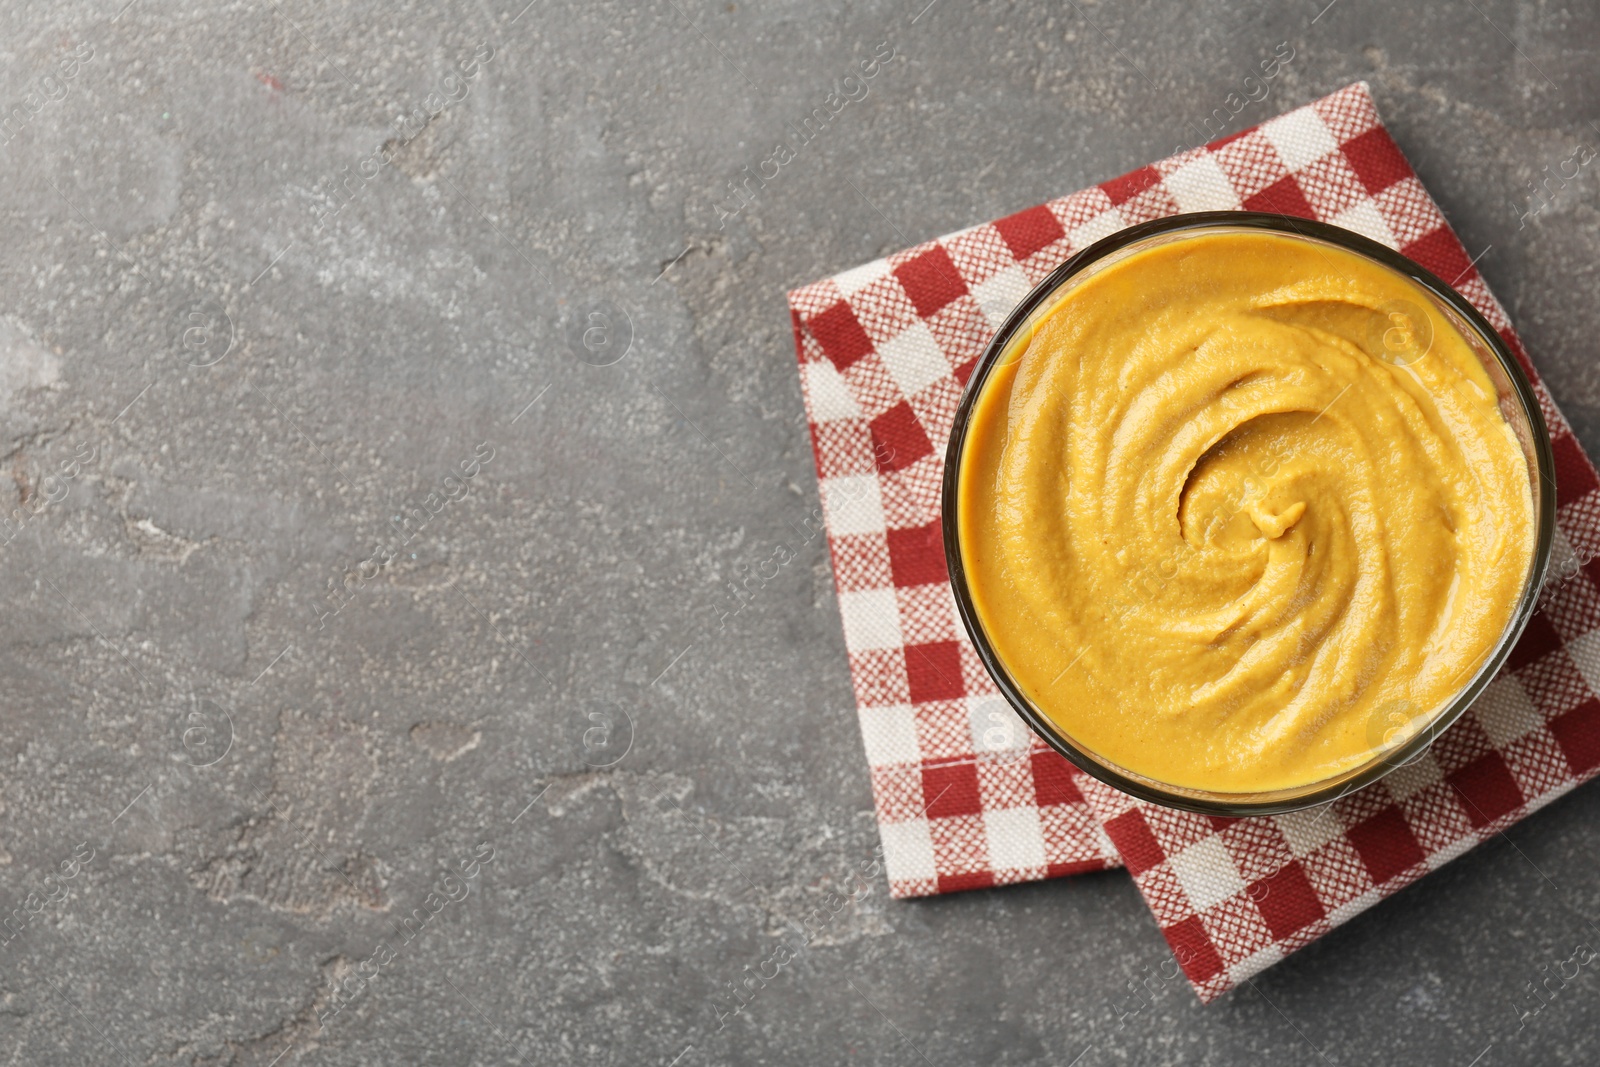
{"x":1241,"y":510}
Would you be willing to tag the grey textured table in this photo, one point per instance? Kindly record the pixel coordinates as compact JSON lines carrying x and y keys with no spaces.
{"x":345,"y":563}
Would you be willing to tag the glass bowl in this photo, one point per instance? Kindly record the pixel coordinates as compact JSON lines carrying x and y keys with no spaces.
{"x":1516,"y":401}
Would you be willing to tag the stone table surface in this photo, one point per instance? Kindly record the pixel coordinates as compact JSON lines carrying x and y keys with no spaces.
{"x":292,"y":287}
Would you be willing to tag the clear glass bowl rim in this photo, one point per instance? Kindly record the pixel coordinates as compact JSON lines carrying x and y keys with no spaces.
{"x":1236,"y":805}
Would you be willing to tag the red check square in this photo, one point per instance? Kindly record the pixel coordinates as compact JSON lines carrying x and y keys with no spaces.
{"x":1282,"y":197}
{"x":1377,"y":159}
{"x":898,"y":439}
{"x":1487,"y":789}
{"x":1028,"y":231}
{"x":1287,"y":901}
{"x":1578,"y":734}
{"x":1123,"y":189}
{"x":1053,"y":780}
{"x":840,"y":335}
{"x":916,"y":555}
{"x":1386,"y":845}
{"x":930,"y":280}
{"x":934,"y":671}
{"x":951,"y":790}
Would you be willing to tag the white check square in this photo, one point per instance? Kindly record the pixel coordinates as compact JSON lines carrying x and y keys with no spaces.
{"x":854,"y":504}
{"x":871,"y":620}
{"x":1206,"y":872}
{"x":1301,"y":137}
{"x":914,"y":359}
{"x":890,"y":734}
{"x":1015,"y":839}
{"x":830,"y":397}
{"x":1202,"y":186}
{"x":856,"y":279}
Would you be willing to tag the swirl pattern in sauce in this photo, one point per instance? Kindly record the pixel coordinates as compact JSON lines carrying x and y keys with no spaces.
{"x":1233,"y":521}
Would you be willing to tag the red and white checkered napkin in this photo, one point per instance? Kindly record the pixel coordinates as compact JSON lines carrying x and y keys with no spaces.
{"x":966,"y":796}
